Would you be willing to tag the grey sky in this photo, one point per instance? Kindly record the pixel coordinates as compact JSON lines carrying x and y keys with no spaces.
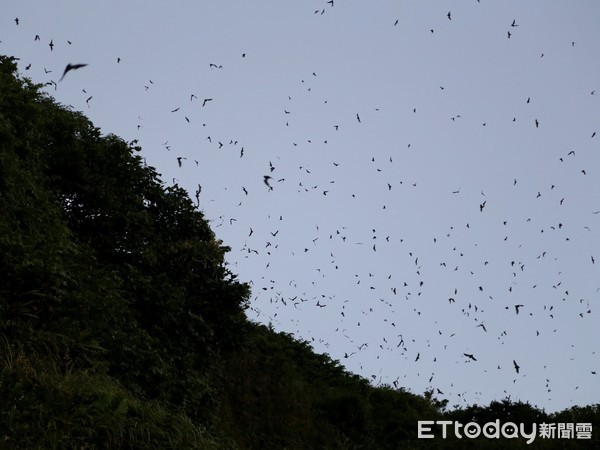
{"x":477,"y":95}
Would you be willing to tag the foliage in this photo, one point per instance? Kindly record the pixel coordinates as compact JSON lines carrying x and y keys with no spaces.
{"x":122,"y":327}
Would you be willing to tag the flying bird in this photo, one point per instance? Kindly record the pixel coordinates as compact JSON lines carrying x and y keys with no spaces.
{"x":470,"y":356}
{"x":517,"y":367}
{"x":70,"y":67}
{"x":266,"y":181}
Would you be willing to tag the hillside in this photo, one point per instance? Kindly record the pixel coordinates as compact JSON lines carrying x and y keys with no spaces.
{"x":121,"y":325}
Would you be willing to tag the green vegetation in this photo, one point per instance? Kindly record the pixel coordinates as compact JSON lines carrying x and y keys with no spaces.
{"x":121,"y":326}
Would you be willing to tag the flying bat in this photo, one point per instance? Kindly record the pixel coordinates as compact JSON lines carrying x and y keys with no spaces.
{"x":71,"y":67}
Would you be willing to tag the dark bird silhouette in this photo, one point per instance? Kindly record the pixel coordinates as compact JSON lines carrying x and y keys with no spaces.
{"x":197,"y":194}
{"x":358,"y":118}
{"x":37,"y":37}
{"x":266,"y":181}
{"x":517,"y":367}
{"x":51,"y":45}
{"x":17,"y":20}
{"x":206,"y":100}
{"x":70,"y":67}
{"x":418,"y":356}
{"x":470,"y":356}
{"x":87,"y":102}
{"x":514,"y":23}
{"x":449,"y":15}
{"x":517,"y":308}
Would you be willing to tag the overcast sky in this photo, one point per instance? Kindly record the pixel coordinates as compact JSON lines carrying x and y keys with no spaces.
{"x":396,"y":243}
